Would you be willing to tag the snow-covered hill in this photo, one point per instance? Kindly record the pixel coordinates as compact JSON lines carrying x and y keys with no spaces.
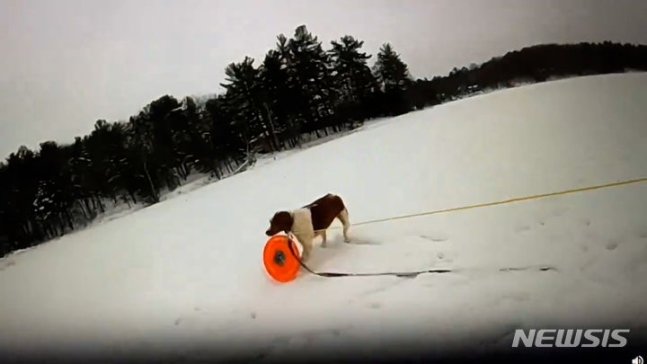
{"x":184,"y":278}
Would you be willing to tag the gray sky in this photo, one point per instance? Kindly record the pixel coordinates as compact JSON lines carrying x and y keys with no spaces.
{"x":66,"y":63}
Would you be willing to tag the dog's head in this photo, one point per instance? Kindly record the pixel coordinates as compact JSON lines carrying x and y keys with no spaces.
{"x":281,"y":221}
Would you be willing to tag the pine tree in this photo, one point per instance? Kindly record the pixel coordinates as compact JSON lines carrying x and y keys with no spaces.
{"x":191,"y":135}
{"x":21,"y":186}
{"x":310,"y":72}
{"x":353,"y":78}
{"x":352,"y":75}
{"x":394,"y":79}
{"x":245,"y":96}
{"x":391,"y":72}
{"x":283,"y":98}
{"x":225,"y":144}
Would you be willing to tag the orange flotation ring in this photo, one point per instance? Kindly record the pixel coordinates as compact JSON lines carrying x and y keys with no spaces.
{"x":280,"y":261}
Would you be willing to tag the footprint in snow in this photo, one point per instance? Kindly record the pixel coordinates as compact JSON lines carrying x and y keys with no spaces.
{"x":521,"y":228}
{"x":612,"y":244}
{"x":442,"y":256}
{"x":642,"y":234}
{"x":435,"y":239}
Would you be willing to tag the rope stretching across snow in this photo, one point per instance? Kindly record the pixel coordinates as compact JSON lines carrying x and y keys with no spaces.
{"x":413,"y":274}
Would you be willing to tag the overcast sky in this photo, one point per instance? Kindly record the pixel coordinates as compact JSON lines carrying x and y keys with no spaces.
{"x":65,"y":64}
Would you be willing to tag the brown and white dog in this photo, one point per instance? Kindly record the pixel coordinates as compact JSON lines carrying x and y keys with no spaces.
{"x":311,"y":221}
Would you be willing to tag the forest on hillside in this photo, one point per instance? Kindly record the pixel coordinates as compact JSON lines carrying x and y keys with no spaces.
{"x":300,"y":91}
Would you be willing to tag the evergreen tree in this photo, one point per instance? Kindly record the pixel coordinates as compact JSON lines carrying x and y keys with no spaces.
{"x":284,"y":99}
{"x":191,"y":136}
{"x":19,"y":190}
{"x":225,"y":145}
{"x":393,"y":76}
{"x":353,"y":78}
{"x":251,"y":117}
{"x":310,"y":73}
{"x":391,"y":72}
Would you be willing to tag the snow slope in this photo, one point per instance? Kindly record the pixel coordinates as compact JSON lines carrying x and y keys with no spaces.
{"x":184,"y":278}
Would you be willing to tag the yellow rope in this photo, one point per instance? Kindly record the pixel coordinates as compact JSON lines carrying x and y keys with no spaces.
{"x":512,"y":200}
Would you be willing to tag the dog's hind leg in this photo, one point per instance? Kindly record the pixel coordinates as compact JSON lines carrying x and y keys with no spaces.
{"x":323,"y":238}
{"x":343,"y":217}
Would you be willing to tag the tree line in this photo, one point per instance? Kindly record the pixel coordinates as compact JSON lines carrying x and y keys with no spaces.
{"x":530,"y":65}
{"x":298,"y":92}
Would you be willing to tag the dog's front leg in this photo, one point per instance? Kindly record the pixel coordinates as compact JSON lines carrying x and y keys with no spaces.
{"x":307,"y":248}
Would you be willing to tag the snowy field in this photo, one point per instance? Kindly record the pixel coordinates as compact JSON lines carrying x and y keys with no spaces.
{"x":184,"y":278}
